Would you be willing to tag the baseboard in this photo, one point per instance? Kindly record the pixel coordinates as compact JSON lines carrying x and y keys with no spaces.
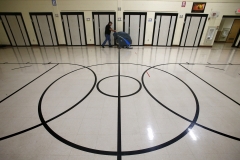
{"x":219,"y":41}
{"x":91,"y":45}
{"x":5,"y":45}
{"x":147,"y":44}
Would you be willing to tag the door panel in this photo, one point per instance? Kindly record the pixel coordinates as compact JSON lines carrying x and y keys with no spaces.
{"x":134,"y":24}
{"x":163,"y":33}
{"x":82,"y":29}
{"x":164,"y":29}
{"x":187,"y":23}
{"x":103,"y":19}
{"x":15,"y":29}
{"x":156,"y":30}
{"x":172,"y":30}
{"x":52,"y":29}
{"x":234,"y":31}
{"x":134,"y":28}
{"x":46,"y":35}
{"x":100,"y":20}
{"x":192,"y":30}
{"x":74,"y":28}
{"x":142,"y":25}
{"x":44,"y":27}
{"x":201,"y":27}
{"x":66,"y":30}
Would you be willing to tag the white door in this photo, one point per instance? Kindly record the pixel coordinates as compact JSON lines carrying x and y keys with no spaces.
{"x":134,"y":25}
{"x":164,"y":29}
{"x":44,"y":28}
{"x":192,"y":30}
{"x":74,"y":28}
{"x":100,"y":20}
{"x":15,"y":29}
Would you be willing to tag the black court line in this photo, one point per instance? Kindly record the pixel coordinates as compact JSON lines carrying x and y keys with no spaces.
{"x":119,"y":138}
{"x":21,"y":67}
{"x":204,"y":127}
{"x":211,"y":86}
{"x":47,"y":63}
{"x":215,"y":68}
{"x":26,"y":84}
{"x":126,"y":63}
{"x":38,"y":125}
{"x":116,"y":96}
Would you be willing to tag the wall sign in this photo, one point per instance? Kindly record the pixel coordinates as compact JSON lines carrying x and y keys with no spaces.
{"x":238,"y":10}
{"x":198,"y":7}
{"x":54,"y":2}
{"x":149,"y":19}
{"x":183,"y":3}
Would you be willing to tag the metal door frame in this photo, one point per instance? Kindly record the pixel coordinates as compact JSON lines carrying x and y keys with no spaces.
{"x":74,"y":13}
{"x":102,"y":13}
{"x":170,"y":14}
{"x":231,"y":29}
{"x":136,"y":13}
{"x":235,"y":41}
{"x":46,"y":14}
{"x":193,"y":15}
{"x":16,"y":14}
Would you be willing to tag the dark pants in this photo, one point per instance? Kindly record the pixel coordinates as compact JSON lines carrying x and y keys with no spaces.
{"x":108,"y":38}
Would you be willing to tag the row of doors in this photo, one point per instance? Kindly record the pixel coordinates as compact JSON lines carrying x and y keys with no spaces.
{"x":75,"y":34}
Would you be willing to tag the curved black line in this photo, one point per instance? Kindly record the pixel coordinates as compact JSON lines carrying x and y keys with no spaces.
{"x":38,"y":125}
{"x":140,"y":87}
{"x":185,"y":132}
{"x":204,"y":127}
{"x":26,"y":84}
{"x":211,"y":85}
{"x":54,"y":134}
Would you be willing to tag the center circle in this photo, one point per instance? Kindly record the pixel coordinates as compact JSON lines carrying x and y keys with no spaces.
{"x":108,"y":82}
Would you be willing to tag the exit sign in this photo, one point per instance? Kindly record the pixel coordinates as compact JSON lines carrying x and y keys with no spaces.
{"x":238,"y":10}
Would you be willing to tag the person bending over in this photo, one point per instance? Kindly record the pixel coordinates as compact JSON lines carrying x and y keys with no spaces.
{"x":108,"y":30}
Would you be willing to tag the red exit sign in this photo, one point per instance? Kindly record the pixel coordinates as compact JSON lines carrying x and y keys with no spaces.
{"x":238,"y":10}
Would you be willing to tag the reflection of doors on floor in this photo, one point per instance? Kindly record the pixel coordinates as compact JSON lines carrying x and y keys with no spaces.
{"x":100,"y":20}
{"x":192,"y":30}
{"x":74,"y":28}
{"x":164,"y":29}
{"x":15,"y":29}
{"x":44,"y":27}
{"x":134,"y":24}
{"x":234,"y":31}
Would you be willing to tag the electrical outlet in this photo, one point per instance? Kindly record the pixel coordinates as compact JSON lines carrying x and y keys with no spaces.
{"x":90,"y":39}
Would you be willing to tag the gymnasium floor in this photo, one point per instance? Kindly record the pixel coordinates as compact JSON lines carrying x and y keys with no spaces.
{"x":148,"y":103}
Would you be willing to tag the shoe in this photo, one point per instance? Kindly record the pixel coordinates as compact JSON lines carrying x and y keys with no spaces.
{"x":103,"y":47}
{"x":110,"y":46}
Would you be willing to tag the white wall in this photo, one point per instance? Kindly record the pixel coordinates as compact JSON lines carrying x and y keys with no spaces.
{"x":89,"y":6}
